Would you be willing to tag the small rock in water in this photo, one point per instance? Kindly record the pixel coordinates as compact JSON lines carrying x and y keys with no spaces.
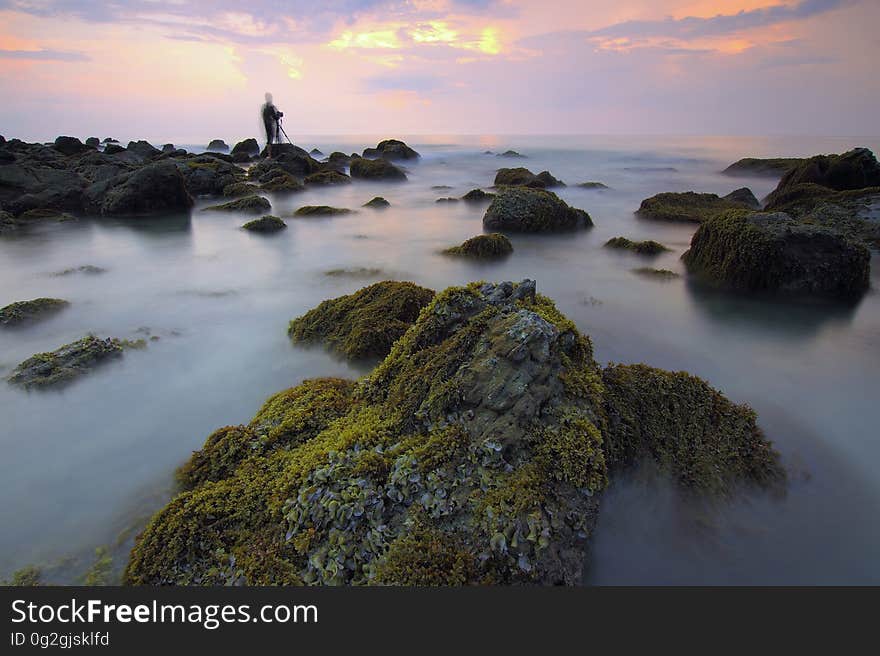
{"x":266,"y":223}
{"x":377,"y":203}
{"x":25,"y":312}
{"x":66,"y":363}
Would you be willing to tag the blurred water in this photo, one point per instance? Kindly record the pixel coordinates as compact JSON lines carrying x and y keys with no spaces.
{"x":83,"y":463}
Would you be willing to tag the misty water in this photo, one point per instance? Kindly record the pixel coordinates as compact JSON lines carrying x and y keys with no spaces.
{"x":84,"y":466}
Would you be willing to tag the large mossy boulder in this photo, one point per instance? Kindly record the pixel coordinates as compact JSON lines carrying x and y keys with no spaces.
{"x":476,"y":452}
{"x":156,"y":188}
{"x":772,"y":252}
{"x":364,"y":324}
{"x":708,"y":444}
{"x":375,"y":169}
{"x":391,"y":149}
{"x":756,"y":167}
{"x":856,"y":169}
{"x":523,"y":209}
{"x":691,"y":206}
{"x":22,"y":313}
{"x":483,"y":247}
{"x":522,"y":177}
{"x":66,"y":363}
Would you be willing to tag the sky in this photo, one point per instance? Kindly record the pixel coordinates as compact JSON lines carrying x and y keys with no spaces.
{"x":182,"y":70}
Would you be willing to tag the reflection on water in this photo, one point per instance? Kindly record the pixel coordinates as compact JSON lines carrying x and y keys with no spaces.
{"x":83,"y":464}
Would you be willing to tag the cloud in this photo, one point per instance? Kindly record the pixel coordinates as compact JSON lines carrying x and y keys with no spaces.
{"x":44,"y":55}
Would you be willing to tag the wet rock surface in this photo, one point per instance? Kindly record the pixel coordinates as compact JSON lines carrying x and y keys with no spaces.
{"x":22,"y":313}
{"x":65,"y":364}
{"x":522,"y":209}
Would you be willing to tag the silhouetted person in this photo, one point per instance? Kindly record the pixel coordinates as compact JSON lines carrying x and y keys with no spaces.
{"x":271,"y":116}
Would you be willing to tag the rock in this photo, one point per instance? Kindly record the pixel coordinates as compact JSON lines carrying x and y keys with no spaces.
{"x":375,"y":169}
{"x":477,"y":196}
{"x":506,"y":153}
{"x":744,"y":196}
{"x":96,"y":167}
{"x":108,"y":140}
{"x":708,"y":444}
{"x":239,"y":189}
{"x":70,"y":146}
{"x":327,"y":178}
{"x":93,"y":142}
{"x":285,"y":149}
{"x":523,"y":209}
{"x":248,"y":147}
{"x":391,"y":149}
{"x":156,"y":188}
{"x":338,"y":160}
{"x":42,"y":215}
{"x":475,"y":452}
{"x":657,"y":274}
{"x":314,"y":152}
{"x":113,"y":149}
{"x":483,"y":247}
{"x":27,"y":312}
{"x":218,"y":145}
{"x":142,"y":149}
{"x":378,"y":203}
{"x":29,"y":184}
{"x":7,"y":222}
{"x":688,"y":206}
{"x":364,"y":324}
{"x":282,"y":183}
{"x":320,"y":210}
{"x":853,"y":214}
{"x":294,"y":163}
{"x":524,"y":178}
{"x":592,"y":185}
{"x":252,"y":204}
{"x":648,"y":247}
{"x":168,"y":148}
{"x":446,"y":200}
{"x":856,"y":169}
{"x":207,"y":175}
{"x":266,"y":223}
{"x":772,"y":252}
{"x":754,"y":167}
{"x":66,"y":363}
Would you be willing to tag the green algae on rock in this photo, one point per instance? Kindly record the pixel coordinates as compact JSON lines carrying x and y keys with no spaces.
{"x":266,"y":223}
{"x":687,"y":206}
{"x":377,"y":203}
{"x":25,"y":312}
{"x":657,"y":274}
{"x":321,"y":210}
{"x":648,"y":247}
{"x":236,"y":189}
{"x":375,"y":169}
{"x":592,"y":185}
{"x":690,"y":429}
{"x":477,"y":196}
{"x":772,"y":252}
{"x":282,"y":182}
{"x":483,"y":247}
{"x":474,"y":453}
{"x":366,"y":323}
{"x":66,"y":363}
{"x":523,"y":177}
{"x":856,"y":169}
{"x":769,"y":167}
{"x":523,"y":209}
{"x":329,"y":177}
{"x":253,"y":204}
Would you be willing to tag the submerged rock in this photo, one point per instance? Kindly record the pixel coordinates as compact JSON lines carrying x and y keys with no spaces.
{"x":152,"y":189}
{"x":237,"y":189}
{"x":772,"y":252}
{"x":483,"y":247}
{"x":477,"y":196}
{"x":375,"y":169}
{"x":523,"y":209}
{"x":753,"y":166}
{"x":522,"y":177}
{"x":253,"y":204}
{"x":592,"y":185}
{"x":657,"y":274}
{"x":321,"y":210}
{"x":327,"y":178}
{"x":476,"y":452}
{"x":366,"y":323}
{"x":25,"y":312}
{"x":377,"y":203}
{"x":507,"y":153}
{"x":66,"y":363}
{"x":266,"y":223}
{"x":282,"y":182}
{"x":648,"y":247}
{"x":391,"y":149}
{"x":689,"y":206}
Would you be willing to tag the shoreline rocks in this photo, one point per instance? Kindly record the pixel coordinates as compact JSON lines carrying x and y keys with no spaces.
{"x":152,"y":189}
{"x":321,"y":210}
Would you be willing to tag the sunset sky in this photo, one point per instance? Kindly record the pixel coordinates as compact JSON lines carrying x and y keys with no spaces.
{"x":191,"y":69}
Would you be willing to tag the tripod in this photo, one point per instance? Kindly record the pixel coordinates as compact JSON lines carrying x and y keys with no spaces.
{"x":279,"y":130}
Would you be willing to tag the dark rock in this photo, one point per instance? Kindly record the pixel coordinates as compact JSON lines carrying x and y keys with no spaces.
{"x":248,"y":204}
{"x":483,"y":247}
{"x":391,"y":149}
{"x":156,"y":188}
{"x":321,"y":210}
{"x":375,"y":169}
{"x":95,"y":167}
{"x":27,"y":312}
{"x":218,"y":145}
{"x":772,"y":252}
{"x":592,"y":185}
{"x":266,"y":223}
{"x":754,"y":167}
{"x":656,"y":274}
{"x":296,"y":164}
{"x":169,"y":148}
{"x":523,"y":209}
{"x":744,"y":196}
{"x":477,"y":196}
{"x":327,"y":178}
{"x":284,"y":182}
{"x":688,"y":206}
{"x":108,"y":140}
{"x":93,"y":142}
{"x":507,"y":153}
{"x":113,"y":149}
{"x":856,"y":169}
{"x":66,"y":363}
{"x":377,"y":203}
{"x":522,"y":177}
{"x":142,"y":149}
{"x":70,"y":146}
{"x":237,"y":189}
{"x":284,"y":149}
{"x":248,"y":147}
{"x":35,"y":181}
{"x":447,"y":200}
{"x":648,"y":247}
{"x":314,"y":152}
{"x":208,"y":175}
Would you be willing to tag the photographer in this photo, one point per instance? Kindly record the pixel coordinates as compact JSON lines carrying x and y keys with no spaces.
{"x":271,"y":116}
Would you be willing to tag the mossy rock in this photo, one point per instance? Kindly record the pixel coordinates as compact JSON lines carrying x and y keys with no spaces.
{"x":476,"y":452}
{"x":378,"y":203}
{"x":448,"y":199}
{"x":647,"y":247}
{"x":774,"y":167}
{"x":375,"y":169}
{"x":509,"y":153}
{"x":44,"y":214}
{"x":252,"y":204}
{"x":708,"y":444}
{"x":523,"y":209}
{"x":657,"y":274}
{"x":237,"y":189}
{"x":483,"y":247}
{"x":772,"y":252}
{"x":327,"y":178}
{"x":26,"y":312}
{"x":364,"y":324}
{"x":266,"y":223}
{"x":477,"y":196}
{"x":522,"y":177}
{"x":592,"y":185}
{"x":856,"y":169}
{"x":26,"y":577}
{"x":321,"y":210}
{"x":391,"y":149}
{"x":66,"y":363}
{"x":282,"y":183}
{"x":687,"y":206}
